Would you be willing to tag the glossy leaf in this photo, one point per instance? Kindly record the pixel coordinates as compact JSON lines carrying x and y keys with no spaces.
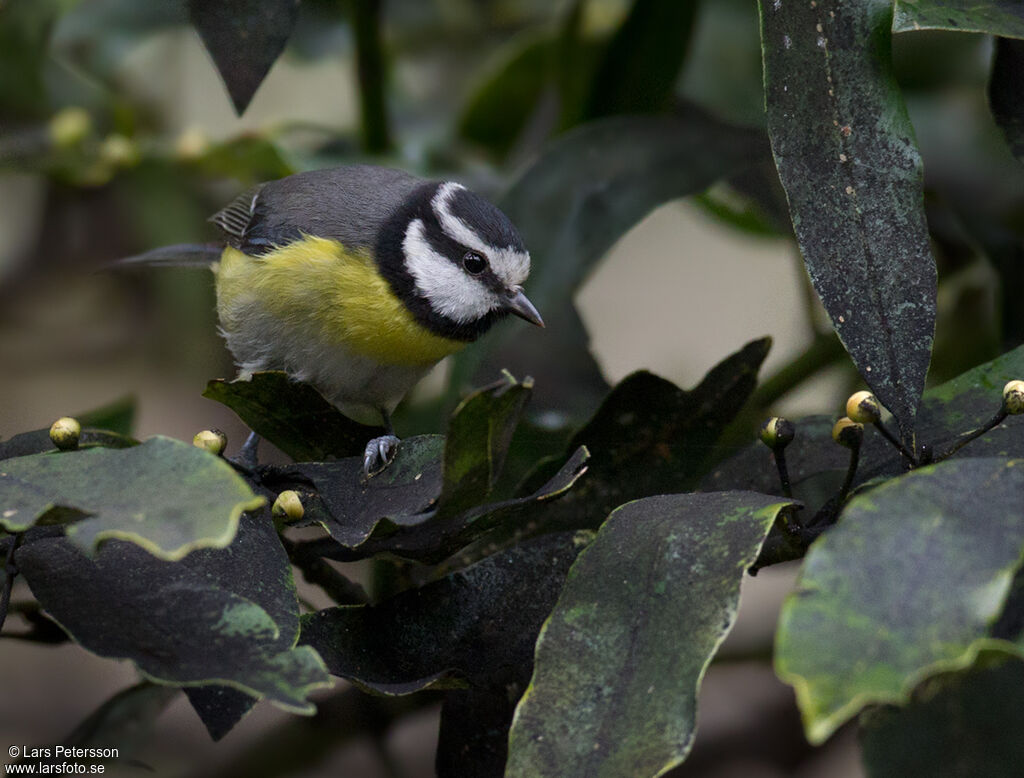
{"x":908,"y":584}
{"x":223,"y":617}
{"x":998,"y":17}
{"x":164,"y":495}
{"x":479,"y":435}
{"x":117,"y":417}
{"x":244,"y":39}
{"x":641,"y":63}
{"x":847,"y":158}
{"x":476,"y":626}
{"x":643,"y":611}
{"x":38,"y":441}
{"x":583,"y":193}
{"x":293,"y":416}
{"x":1005,"y":94}
{"x":651,"y":437}
{"x":957,"y":724}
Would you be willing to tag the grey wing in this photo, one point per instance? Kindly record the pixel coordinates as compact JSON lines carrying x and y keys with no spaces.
{"x":347,"y":204}
{"x":235,"y":218}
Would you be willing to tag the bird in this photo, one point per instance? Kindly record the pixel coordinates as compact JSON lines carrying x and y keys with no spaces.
{"x":358,"y":280}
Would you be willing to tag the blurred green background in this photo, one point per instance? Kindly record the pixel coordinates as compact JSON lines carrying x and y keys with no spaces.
{"x":117,"y":135}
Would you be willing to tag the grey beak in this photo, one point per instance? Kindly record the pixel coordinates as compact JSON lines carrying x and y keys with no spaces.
{"x":519,"y":305}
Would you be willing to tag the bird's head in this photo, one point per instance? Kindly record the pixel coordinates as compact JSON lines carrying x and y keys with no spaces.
{"x":456,"y":261}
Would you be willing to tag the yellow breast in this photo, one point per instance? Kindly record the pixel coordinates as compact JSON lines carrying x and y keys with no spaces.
{"x":337,"y":295}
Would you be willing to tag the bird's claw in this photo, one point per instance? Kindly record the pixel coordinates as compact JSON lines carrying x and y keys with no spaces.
{"x":379,"y":453}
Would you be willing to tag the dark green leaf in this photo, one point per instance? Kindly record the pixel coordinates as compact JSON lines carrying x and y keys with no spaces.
{"x":223,"y":617}
{"x":641,"y":63}
{"x":580,"y":196}
{"x":164,"y":495}
{"x":644,"y":609}
{"x":479,"y":435}
{"x":219,"y":707}
{"x":38,"y":441}
{"x":651,"y":437}
{"x":957,"y":725}
{"x":998,"y":17}
{"x":476,"y":626}
{"x":847,"y":158}
{"x":907,"y":585}
{"x":1005,"y":94}
{"x":24,"y":35}
{"x":244,"y":38}
{"x":473,"y":737}
{"x":402,"y":493}
{"x":125,"y":721}
{"x":248,"y":158}
{"x":293,"y":416}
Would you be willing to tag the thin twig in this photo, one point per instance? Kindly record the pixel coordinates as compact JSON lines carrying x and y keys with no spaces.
{"x":370,"y":67}
{"x":995,"y":421}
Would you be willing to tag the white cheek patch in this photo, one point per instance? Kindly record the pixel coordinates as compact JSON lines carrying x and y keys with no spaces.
{"x":450,"y":291}
{"x":510,"y":266}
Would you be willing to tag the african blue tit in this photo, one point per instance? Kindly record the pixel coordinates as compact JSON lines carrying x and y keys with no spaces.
{"x":359,"y":279}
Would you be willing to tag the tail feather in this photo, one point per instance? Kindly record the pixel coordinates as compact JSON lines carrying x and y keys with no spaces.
{"x":178,"y":255}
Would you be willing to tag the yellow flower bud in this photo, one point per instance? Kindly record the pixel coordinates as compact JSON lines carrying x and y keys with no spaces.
{"x":66,"y":433}
{"x":213,"y":441}
{"x":69,"y":127}
{"x":119,"y":151}
{"x":191,"y":144}
{"x":863,"y":408}
{"x":288,"y":506}
{"x":846,"y":432}
{"x":1013,"y":397}
{"x":777,"y":432}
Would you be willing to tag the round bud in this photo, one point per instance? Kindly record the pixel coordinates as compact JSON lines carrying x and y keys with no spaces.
{"x":213,"y":441}
{"x":846,"y":432}
{"x":66,"y":433}
{"x":119,"y":151}
{"x":191,"y":144}
{"x":1013,"y":397}
{"x":288,"y":505}
{"x":863,"y":408}
{"x":69,"y":127}
{"x":777,"y":432}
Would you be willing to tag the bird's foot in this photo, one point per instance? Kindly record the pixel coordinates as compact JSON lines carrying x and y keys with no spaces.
{"x":379,"y":454}
{"x":248,"y":456}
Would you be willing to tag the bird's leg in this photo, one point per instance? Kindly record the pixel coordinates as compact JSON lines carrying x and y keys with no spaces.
{"x":380,"y":451}
{"x":248,"y":457}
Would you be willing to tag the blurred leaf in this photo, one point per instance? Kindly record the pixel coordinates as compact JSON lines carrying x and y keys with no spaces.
{"x":580,"y":196}
{"x":479,"y":435}
{"x":98,"y":35}
{"x":998,"y":17}
{"x":1005,"y":94}
{"x":293,"y":416}
{"x":643,"y":611}
{"x":651,"y":437}
{"x":962,"y":724}
{"x":249,"y":158}
{"x":224,"y":617}
{"x":25,"y":27}
{"x":476,"y":626}
{"x":907,"y":585}
{"x":846,"y":155}
{"x":125,"y":721}
{"x":118,"y":417}
{"x":641,"y":62}
{"x":244,"y":39}
{"x":164,"y":495}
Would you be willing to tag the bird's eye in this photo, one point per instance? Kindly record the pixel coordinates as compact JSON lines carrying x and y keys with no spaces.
{"x":473,"y":262}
